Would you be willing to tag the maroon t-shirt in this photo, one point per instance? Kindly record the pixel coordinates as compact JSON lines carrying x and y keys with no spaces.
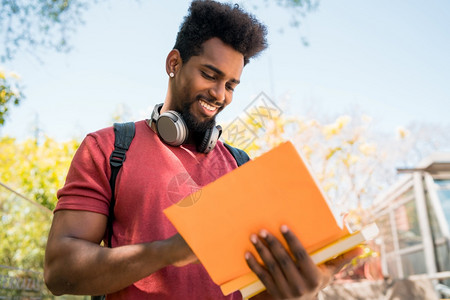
{"x":153,"y":177}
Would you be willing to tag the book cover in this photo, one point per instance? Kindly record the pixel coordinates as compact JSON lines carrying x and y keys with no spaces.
{"x":274,"y":189}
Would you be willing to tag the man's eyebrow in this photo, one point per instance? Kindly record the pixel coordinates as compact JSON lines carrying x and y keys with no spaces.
{"x":219,"y":72}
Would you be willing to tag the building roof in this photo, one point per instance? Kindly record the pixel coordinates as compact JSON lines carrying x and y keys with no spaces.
{"x":435,"y":164}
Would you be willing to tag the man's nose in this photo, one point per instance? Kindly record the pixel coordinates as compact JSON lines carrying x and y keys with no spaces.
{"x":218,"y":92}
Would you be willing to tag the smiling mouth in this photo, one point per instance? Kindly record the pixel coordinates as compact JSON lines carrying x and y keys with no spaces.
{"x":208,"y":106}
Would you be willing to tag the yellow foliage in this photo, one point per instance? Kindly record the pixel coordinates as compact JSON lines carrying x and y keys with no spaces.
{"x":307,"y":151}
{"x":313,"y":123}
{"x":402,"y":133}
{"x":332,"y":152}
{"x":14,"y":75}
{"x":367,"y":148}
{"x":333,"y":129}
{"x":340,"y":154}
{"x":36,"y":170}
{"x":350,"y":159}
{"x":4,"y":74}
{"x":328,"y":186}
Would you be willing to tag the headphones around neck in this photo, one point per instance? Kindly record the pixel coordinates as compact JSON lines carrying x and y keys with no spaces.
{"x":173,"y":131}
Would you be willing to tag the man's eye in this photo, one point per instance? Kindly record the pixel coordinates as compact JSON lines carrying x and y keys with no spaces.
{"x":207,"y":76}
{"x":230,"y":88}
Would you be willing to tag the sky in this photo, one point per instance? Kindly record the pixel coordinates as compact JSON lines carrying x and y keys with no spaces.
{"x":386,"y":59}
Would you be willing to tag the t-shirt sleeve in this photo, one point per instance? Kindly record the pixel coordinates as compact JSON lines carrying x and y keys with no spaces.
{"x":87,"y":184}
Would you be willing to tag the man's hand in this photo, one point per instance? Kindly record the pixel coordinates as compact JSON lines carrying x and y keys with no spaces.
{"x":296,"y":276}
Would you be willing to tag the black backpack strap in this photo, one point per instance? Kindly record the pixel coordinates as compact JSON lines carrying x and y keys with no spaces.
{"x":239,"y":155}
{"x":124,"y":134}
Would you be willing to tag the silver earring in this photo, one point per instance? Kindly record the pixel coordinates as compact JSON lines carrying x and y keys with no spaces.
{"x":171,"y":75}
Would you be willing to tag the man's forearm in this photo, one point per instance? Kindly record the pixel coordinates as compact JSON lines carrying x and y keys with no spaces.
{"x":84,"y":268}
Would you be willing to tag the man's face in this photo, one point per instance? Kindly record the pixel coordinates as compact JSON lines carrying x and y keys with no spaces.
{"x":205,"y":84}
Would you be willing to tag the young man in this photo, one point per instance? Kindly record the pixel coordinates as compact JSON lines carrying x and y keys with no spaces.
{"x":148,"y":259}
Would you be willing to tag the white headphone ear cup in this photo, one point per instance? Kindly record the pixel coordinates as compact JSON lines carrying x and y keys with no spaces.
{"x":171,"y":128}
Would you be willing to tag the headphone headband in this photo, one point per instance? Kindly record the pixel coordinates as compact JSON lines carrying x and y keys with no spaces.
{"x":155,"y":113}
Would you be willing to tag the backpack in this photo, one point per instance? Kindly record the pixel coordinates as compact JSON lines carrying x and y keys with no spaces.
{"x":124,"y":134}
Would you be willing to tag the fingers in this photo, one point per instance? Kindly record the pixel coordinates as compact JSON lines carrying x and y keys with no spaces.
{"x":283,"y":275}
{"x":306,"y":266}
{"x":263,"y":274}
{"x":292,"y":273}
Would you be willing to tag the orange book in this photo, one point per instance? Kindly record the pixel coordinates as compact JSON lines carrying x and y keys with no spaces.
{"x":274,"y":189}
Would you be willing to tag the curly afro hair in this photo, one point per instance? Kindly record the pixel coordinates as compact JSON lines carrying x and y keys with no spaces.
{"x":207,"y":19}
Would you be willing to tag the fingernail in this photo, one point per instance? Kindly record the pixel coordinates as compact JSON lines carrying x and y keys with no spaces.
{"x":247,"y":255}
{"x":284,"y":228}
{"x":263,"y":233}
{"x":254,"y":238}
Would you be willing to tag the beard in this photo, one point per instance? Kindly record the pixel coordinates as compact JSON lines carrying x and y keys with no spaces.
{"x":195,"y":126}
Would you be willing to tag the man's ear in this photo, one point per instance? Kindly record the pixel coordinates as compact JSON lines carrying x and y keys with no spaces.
{"x":173,"y":62}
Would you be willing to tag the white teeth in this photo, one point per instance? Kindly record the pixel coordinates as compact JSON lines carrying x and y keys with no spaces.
{"x":207,"y":106}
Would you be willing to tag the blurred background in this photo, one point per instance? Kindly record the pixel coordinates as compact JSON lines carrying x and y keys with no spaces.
{"x":361,"y":88}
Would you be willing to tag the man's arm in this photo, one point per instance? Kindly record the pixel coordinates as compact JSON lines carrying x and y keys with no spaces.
{"x":293,"y":276}
{"x":75,"y":263}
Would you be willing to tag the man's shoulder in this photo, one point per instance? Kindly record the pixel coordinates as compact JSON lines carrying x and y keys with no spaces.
{"x":239,"y":155}
{"x":107,"y":134}
{"x":103,"y":133}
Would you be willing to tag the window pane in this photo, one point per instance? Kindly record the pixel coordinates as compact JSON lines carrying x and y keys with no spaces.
{"x":413,"y":263}
{"x":384,"y":224}
{"x":392,"y":266}
{"x":443,"y":190}
{"x":435,"y":228}
{"x":443,"y":257}
{"x":407,"y":225}
{"x":445,"y":281}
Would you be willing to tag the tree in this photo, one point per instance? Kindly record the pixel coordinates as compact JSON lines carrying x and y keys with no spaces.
{"x":30,"y":174}
{"x":353,"y":162}
{"x":9,"y":93}
{"x":48,"y":24}
{"x":297,"y":10}
{"x":418,"y":140}
{"x":342,"y":154}
{"x":36,"y":170}
{"x":34,"y":25}
{"x":23,"y":234}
